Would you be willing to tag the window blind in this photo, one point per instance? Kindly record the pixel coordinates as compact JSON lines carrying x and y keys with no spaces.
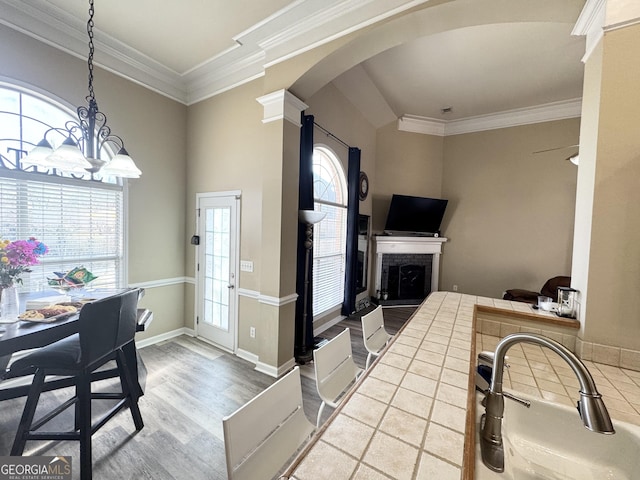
{"x":328,"y":258}
{"x":329,"y":236}
{"x":80,"y":221}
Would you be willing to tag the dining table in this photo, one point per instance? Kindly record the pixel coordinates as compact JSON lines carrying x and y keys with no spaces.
{"x":26,"y":335}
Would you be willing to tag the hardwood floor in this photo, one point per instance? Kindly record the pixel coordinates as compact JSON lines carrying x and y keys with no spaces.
{"x":190,"y":387}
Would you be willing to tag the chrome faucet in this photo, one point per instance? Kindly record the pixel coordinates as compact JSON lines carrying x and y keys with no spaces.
{"x":590,"y":406}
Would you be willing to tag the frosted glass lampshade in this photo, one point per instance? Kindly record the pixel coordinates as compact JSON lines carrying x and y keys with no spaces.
{"x":39,"y":155}
{"x":122,"y":165}
{"x":68,"y":158}
{"x":311,"y":216}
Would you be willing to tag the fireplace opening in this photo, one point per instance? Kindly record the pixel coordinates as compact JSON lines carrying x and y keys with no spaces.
{"x":406,"y":278}
{"x":411,"y":281}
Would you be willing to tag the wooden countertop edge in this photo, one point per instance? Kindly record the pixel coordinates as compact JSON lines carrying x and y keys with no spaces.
{"x":558,"y":321}
{"x":469,"y":454}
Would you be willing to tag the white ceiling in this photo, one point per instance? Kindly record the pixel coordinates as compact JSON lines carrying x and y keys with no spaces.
{"x":192,"y":49}
{"x":180,"y":35}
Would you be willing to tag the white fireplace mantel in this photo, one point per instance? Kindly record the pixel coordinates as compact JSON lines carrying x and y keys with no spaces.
{"x":393,"y":244}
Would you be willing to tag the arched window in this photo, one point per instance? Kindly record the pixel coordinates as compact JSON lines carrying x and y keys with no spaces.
{"x":329,"y":236}
{"x":79,"y":217}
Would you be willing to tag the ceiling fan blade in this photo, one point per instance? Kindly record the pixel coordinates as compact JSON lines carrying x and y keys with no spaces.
{"x":556,"y":148}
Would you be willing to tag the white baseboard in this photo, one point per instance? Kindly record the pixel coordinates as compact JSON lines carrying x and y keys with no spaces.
{"x":248,"y":356}
{"x":275,"y":372}
{"x":265,"y":368}
{"x":165,"y":336}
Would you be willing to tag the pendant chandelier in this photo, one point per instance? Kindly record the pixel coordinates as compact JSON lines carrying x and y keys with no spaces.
{"x":86,"y":139}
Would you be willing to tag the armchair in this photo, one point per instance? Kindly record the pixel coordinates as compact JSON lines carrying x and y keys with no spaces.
{"x":549,"y":289}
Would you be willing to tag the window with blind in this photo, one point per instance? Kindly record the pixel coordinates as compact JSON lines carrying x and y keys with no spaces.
{"x":79,"y":219}
{"x":329,"y":236}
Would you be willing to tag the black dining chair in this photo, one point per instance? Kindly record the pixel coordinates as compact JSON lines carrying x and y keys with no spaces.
{"x":105,"y":327}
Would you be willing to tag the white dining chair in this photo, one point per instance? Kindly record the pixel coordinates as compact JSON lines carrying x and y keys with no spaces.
{"x":265,"y":432}
{"x":374,"y":335}
{"x":335,"y":370}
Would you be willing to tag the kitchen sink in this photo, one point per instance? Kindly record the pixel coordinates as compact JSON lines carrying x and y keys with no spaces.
{"x":549,"y":441}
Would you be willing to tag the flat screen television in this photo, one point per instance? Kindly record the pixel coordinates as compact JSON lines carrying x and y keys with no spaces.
{"x":415,"y":215}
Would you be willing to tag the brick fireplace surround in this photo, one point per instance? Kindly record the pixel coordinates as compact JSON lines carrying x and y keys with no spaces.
{"x":407,"y":267}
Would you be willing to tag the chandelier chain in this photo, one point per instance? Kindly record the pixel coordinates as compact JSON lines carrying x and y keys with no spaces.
{"x":87,"y":137}
{"x":90,"y":24}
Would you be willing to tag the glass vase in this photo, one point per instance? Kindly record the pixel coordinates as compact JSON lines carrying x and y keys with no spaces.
{"x":9,"y":303}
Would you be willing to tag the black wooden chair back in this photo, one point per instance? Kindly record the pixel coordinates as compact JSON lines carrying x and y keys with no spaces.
{"x":107,"y":325}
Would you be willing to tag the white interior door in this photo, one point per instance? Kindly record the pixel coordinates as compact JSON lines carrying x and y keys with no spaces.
{"x":216,"y":270}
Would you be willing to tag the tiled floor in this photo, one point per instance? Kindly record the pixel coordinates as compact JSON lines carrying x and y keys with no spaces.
{"x":539,"y":372}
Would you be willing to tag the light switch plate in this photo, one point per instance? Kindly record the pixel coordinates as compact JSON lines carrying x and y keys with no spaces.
{"x":246,"y":265}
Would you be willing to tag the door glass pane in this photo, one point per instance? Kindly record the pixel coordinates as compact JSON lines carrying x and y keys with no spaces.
{"x":216,"y":268}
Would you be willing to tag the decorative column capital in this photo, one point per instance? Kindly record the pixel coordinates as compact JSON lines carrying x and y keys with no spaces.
{"x":282,"y":104}
{"x":599,"y":16}
{"x":590,"y":24}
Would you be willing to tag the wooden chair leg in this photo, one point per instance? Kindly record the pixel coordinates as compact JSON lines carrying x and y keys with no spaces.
{"x":27,"y":414}
{"x":128,"y":388}
{"x":83,"y":389}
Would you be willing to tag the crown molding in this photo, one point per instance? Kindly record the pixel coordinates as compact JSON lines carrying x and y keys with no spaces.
{"x":222,"y":73}
{"x":56,"y":28}
{"x":301,"y":26}
{"x":510,"y":118}
{"x":424,"y":125}
{"x":590,"y":24}
{"x":308,"y":25}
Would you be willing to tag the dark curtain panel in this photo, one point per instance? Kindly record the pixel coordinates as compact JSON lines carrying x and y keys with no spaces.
{"x":304,"y":333}
{"x":353,"y":210}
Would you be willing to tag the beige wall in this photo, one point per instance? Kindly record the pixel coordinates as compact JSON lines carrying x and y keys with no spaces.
{"x":333,"y":111}
{"x":406,"y":164}
{"x":230,"y":148}
{"x":336,"y":114}
{"x":510,"y":215}
{"x":226,"y":141}
{"x":225,"y":150}
{"x":154,"y":130}
{"x":612,"y":310}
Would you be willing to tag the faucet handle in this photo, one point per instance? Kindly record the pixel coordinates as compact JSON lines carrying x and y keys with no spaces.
{"x":519,"y":400}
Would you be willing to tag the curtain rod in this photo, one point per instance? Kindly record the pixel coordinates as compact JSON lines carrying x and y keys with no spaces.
{"x":329,"y":134}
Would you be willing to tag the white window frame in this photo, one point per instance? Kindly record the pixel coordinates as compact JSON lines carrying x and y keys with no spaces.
{"x":321,"y":304}
{"x":30,"y":177}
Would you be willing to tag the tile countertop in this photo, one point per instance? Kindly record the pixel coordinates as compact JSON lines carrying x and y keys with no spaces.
{"x":412,"y":414}
{"x":406,"y":417}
